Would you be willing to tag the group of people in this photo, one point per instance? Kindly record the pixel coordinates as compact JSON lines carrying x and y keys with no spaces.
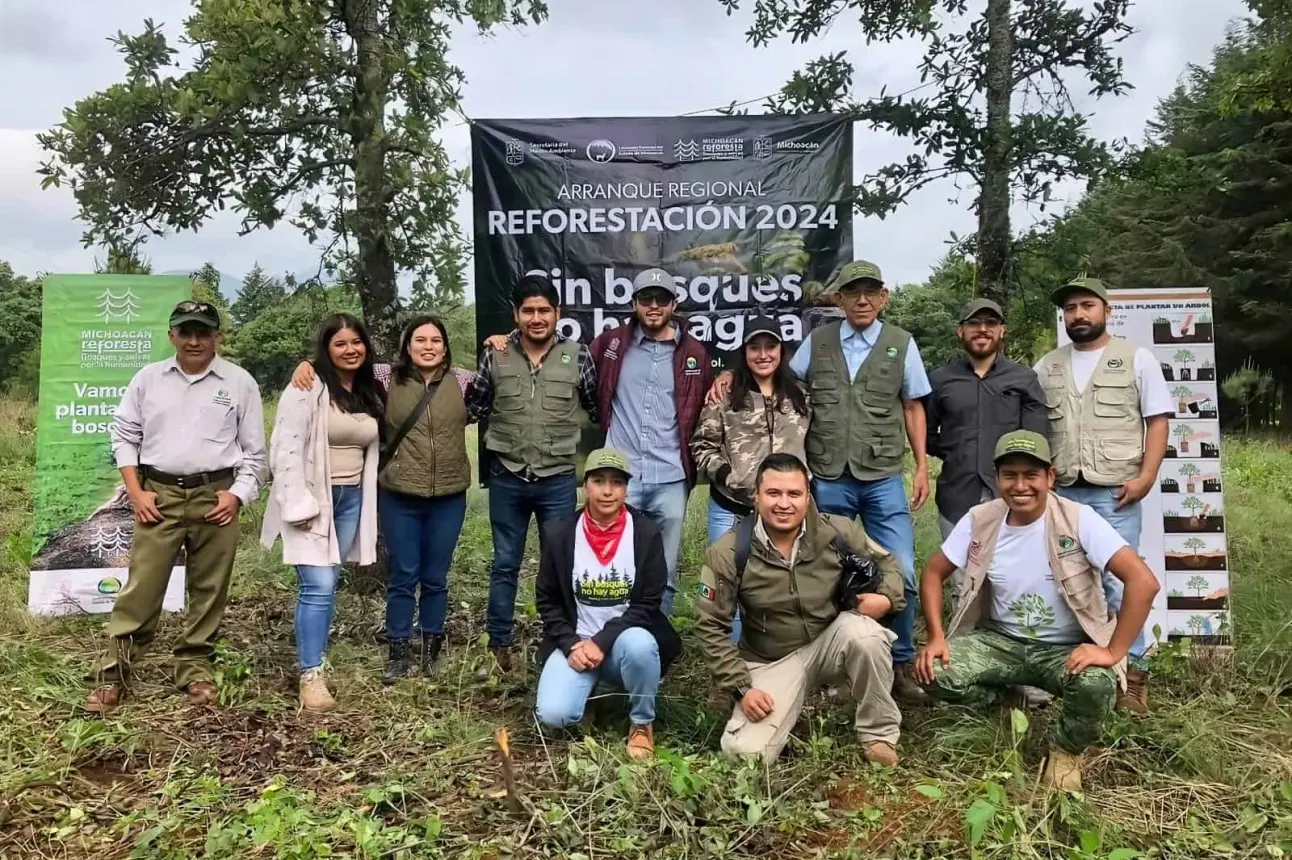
{"x":1038,"y":499}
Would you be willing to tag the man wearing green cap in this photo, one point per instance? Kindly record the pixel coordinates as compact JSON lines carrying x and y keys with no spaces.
{"x":1020,"y":622}
{"x":600,"y":589}
{"x":866,"y":382}
{"x":189,"y":439}
{"x":1108,"y":405}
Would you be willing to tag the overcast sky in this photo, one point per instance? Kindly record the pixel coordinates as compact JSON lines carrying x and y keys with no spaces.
{"x":592,"y":58}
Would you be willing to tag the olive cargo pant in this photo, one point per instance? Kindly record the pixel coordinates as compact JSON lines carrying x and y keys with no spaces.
{"x":853,"y":649}
{"x":984,"y":663}
{"x":210,"y":550}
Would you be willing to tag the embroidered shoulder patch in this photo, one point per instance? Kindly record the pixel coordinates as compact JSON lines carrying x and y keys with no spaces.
{"x":706,"y":591}
{"x":892,"y":352}
{"x":1066,"y":542}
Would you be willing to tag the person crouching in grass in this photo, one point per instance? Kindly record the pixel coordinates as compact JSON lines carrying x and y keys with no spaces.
{"x":600,"y":585}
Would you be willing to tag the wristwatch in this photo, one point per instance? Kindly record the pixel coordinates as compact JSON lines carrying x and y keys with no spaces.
{"x":741,"y":691}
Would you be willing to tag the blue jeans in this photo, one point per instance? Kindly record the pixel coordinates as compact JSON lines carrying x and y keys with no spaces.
{"x":632,"y":665}
{"x":886,"y":515}
{"x":665,"y":504}
{"x":511,"y":504}
{"x":1128,"y":522}
{"x":421,"y":534}
{"x":316,"y":600}
{"x":722,"y":521}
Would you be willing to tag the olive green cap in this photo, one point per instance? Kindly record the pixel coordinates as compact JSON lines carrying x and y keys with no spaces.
{"x":1089,"y":285}
{"x":607,"y":458}
{"x":979,"y":305}
{"x":1027,"y":442}
{"x":858,"y":270}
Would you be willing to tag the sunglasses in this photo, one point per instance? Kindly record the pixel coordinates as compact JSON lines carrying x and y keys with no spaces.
{"x":194,"y":308}
{"x":654,"y":298}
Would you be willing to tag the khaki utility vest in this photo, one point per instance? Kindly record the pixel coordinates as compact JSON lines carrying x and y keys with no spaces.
{"x":1098,"y":434}
{"x":857,"y":423}
{"x":432,"y":460}
{"x":1080,"y":584}
{"x":534,"y":424}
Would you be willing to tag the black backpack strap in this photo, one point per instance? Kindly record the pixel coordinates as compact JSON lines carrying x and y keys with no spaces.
{"x":387,"y":452}
{"x":839,"y":542}
{"x":744,"y":538}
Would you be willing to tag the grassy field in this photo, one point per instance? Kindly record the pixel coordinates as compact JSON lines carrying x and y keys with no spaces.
{"x":412,"y":772}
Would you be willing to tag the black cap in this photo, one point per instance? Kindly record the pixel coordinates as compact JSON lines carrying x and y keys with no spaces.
{"x":977,"y":306}
{"x":202,"y":313}
{"x":762,"y":324}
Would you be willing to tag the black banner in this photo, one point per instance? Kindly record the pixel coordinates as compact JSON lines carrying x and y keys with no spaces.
{"x":743,"y":211}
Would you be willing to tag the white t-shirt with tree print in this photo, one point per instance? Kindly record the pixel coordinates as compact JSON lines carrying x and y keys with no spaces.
{"x":1025,"y":600}
{"x":601,"y":591}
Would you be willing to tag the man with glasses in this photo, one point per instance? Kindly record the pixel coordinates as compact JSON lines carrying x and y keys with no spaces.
{"x":866,"y":382}
{"x":652,"y":377}
{"x":189,"y":438}
{"x":976,"y":400}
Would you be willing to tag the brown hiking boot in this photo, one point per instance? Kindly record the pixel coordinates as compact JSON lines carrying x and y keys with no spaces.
{"x":315,"y":696}
{"x":1063,"y":771}
{"x":641,"y":741}
{"x":881,"y":752}
{"x":1135,"y":698}
{"x":501,"y":655}
{"x":203,"y":693}
{"x":907,"y":690}
{"x":105,"y":698}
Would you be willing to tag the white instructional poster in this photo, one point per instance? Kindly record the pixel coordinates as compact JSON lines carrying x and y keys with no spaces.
{"x":1183,"y":538}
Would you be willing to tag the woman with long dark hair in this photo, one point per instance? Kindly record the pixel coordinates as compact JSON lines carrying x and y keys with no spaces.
{"x":423,"y":489}
{"x":324,"y":456}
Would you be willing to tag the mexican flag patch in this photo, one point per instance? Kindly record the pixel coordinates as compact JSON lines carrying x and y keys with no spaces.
{"x":708,"y":592}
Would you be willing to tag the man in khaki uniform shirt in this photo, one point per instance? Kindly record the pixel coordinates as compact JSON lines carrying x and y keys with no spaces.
{"x":189,"y":438}
{"x":793,"y":636}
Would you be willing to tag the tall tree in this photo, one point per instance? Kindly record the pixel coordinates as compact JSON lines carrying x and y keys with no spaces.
{"x":19,"y":323}
{"x":320,"y":112}
{"x":970,"y":126}
{"x":258,"y":294}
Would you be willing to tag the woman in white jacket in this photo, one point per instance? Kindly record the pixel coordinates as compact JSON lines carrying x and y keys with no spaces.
{"x":323,"y":502}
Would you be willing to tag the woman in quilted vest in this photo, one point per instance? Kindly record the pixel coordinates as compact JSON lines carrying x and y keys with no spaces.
{"x":323,"y":501}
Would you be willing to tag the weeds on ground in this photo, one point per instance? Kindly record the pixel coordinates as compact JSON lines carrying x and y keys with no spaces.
{"x":412,"y":772}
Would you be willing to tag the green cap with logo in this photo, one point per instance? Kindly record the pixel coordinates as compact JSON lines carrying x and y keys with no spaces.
{"x":858,"y":270}
{"x":607,"y":458}
{"x":1084,"y":284}
{"x":1027,"y":442}
{"x":202,"y":313}
{"x":977,"y":306}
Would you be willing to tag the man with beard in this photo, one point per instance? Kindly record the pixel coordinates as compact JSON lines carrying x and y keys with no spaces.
{"x":652,"y":376}
{"x":1108,"y":405}
{"x":529,"y":394}
{"x":975,"y":401}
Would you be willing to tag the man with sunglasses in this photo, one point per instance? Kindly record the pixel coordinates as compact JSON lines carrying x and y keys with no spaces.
{"x":652,"y":377}
{"x":866,"y":383}
{"x":189,"y":438}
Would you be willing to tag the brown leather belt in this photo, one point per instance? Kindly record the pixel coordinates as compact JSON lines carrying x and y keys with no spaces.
{"x":185,"y":482}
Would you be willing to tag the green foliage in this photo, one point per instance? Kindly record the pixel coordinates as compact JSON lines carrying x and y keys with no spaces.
{"x":272,"y":344}
{"x":19,"y":329}
{"x":258,"y":295}
{"x":929,"y":312}
{"x":324,"y":115}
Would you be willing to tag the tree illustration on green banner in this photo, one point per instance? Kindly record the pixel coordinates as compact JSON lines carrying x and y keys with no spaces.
{"x":1032,"y":612}
{"x":1198,"y":584}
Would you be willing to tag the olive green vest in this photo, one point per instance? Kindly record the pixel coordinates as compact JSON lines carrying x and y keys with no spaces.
{"x":432,"y":459}
{"x":534,"y":424}
{"x":1098,"y":434}
{"x":857,"y":423}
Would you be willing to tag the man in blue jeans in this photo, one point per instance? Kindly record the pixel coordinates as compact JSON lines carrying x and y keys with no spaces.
{"x":1108,"y":408}
{"x":866,"y":382}
{"x":528,"y":395}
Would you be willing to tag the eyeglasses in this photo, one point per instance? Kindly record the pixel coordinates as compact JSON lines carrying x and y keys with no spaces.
{"x":985,"y":323}
{"x":870,"y":294}
{"x":654,"y":299}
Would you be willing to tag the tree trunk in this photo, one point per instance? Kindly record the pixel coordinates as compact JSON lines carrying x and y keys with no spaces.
{"x":375,"y":267}
{"x":993,"y":195}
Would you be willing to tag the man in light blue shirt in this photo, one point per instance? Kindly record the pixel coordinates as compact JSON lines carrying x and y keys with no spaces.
{"x":866,"y":382}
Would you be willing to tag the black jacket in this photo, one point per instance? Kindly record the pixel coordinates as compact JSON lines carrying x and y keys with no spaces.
{"x":554,"y":591}
{"x":967,"y":415}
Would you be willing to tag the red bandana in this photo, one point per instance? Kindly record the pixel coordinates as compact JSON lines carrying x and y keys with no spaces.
{"x":604,"y":540}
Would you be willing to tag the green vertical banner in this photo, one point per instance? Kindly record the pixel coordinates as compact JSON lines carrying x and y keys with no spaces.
{"x":98,"y":331}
